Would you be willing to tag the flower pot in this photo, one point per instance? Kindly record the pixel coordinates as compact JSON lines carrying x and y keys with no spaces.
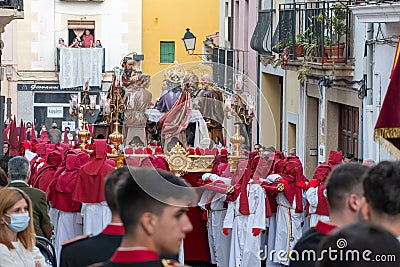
{"x":335,"y":53}
{"x":299,"y":49}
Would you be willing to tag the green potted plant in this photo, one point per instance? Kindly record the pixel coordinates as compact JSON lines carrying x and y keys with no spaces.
{"x":310,"y":44}
{"x":283,"y":43}
{"x":335,"y":23}
{"x":299,"y":46}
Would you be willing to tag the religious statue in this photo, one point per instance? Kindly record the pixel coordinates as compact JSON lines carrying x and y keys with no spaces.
{"x":137,"y":99}
{"x":211,"y":106}
{"x":170,"y":93}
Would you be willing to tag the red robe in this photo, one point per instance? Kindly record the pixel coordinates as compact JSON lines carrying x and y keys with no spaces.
{"x":196,"y":242}
{"x":62,"y":187}
{"x":89,"y":186}
{"x":322,"y":207}
{"x":45,"y":174}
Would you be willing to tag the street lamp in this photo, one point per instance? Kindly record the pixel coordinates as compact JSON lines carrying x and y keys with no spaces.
{"x":189,"y":40}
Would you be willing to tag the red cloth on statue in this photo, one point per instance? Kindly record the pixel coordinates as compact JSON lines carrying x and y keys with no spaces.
{"x":196,"y":242}
{"x":177,"y":118}
{"x":62,"y":187}
{"x":132,"y":161}
{"x":145,"y":162}
{"x":89,"y":186}
{"x":160,"y":163}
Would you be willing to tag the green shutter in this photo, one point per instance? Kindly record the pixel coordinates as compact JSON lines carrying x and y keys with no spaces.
{"x":167,"y":52}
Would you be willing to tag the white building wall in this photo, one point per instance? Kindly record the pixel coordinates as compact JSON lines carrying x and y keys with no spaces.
{"x":112,"y":20}
{"x":382,"y":61}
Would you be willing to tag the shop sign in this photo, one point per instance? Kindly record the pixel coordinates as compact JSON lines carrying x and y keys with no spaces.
{"x":55,"y":112}
{"x":50,"y":87}
{"x":70,"y":124}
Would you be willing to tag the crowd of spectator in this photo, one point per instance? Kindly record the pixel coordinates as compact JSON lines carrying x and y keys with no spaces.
{"x":85,"y":41}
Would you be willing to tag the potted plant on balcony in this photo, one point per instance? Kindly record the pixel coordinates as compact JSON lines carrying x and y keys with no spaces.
{"x":306,"y":43}
{"x":282,"y":44}
{"x":335,"y":23}
{"x":301,"y":39}
{"x":310,"y":45}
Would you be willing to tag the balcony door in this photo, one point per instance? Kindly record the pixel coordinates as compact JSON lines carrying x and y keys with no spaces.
{"x":349,"y":129}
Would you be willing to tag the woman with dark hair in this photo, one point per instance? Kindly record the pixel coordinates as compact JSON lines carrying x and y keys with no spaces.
{"x":6,"y":148}
{"x":3,"y":178}
{"x":17,"y":236}
{"x":97,"y":44}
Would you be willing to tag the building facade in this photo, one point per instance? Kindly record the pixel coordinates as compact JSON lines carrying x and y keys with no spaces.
{"x":237,"y":20}
{"x":378,"y":24}
{"x":36,"y":68}
{"x":164,"y":25}
{"x":315,"y":96}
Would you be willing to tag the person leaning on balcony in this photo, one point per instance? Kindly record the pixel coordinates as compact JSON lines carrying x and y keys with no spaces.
{"x":97,"y":44}
{"x":61,"y":43}
{"x":75,"y":43}
{"x":87,"y":39}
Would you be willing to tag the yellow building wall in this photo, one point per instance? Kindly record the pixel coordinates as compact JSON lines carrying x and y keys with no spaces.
{"x":292,"y":92}
{"x":270,"y":111}
{"x":167,"y":21}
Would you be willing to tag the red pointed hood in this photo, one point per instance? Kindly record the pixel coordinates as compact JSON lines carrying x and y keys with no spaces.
{"x":294,"y":169}
{"x":263,"y":168}
{"x":321,"y":172}
{"x":22,"y":137}
{"x":7,"y":132}
{"x":335,"y":158}
{"x":65,"y":138}
{"x":45,"y":137}
{"x":14,"y":143}
{"x":218,"y":160}
{"x":54,"y":158}
{"x":146,"y":162}
{"x":98,"y":158}
{"x":74,"y":162}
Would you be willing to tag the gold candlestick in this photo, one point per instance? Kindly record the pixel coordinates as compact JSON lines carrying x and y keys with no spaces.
{"x":84,"y":134}
{"x":80,"y":111}
{"x":237,"y":140}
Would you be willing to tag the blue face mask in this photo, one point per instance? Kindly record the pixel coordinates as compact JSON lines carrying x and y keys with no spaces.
{"x":19,"y":222}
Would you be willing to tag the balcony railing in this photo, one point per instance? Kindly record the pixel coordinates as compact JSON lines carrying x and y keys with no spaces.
{"x":314,"y":31}
{"x":262,"y":35}
{"x":12,"y":4}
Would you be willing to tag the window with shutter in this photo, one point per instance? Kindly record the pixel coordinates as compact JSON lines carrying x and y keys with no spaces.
{"x":167,"y":52}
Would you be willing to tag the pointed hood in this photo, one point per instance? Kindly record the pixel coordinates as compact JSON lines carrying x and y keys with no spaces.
{"x":14,"y":142}
{"x":22,"y":137}
{"x":98,"y":157}
{"x":335,"y":158}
